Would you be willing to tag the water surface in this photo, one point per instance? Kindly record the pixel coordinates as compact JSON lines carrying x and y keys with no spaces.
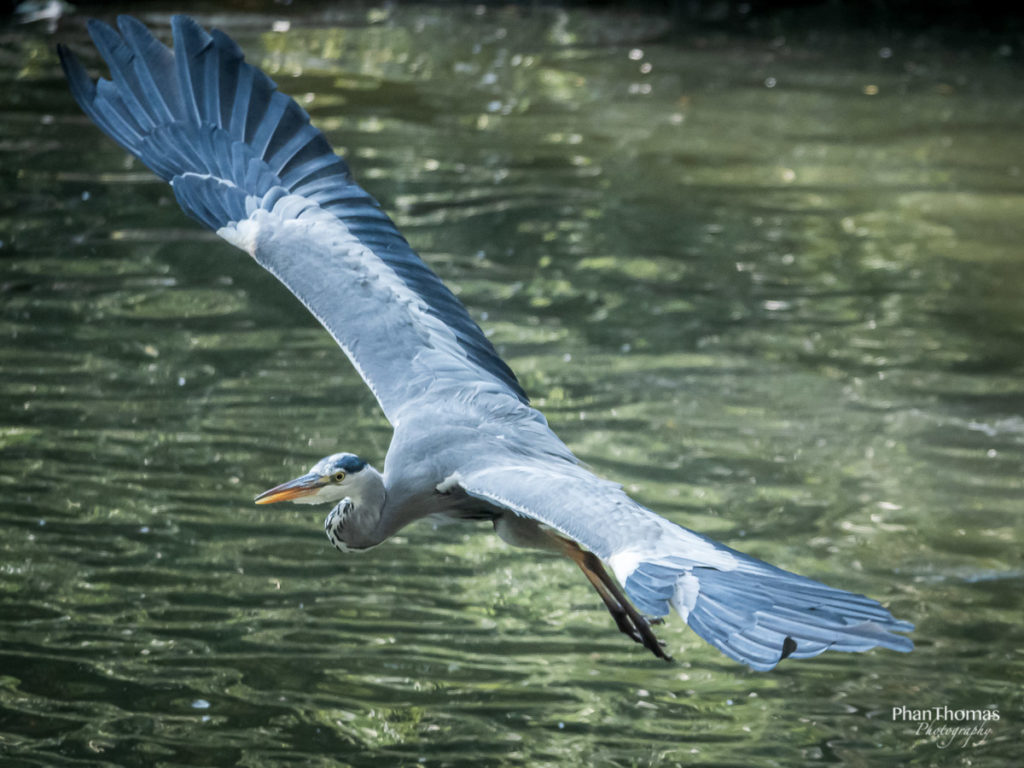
{"x":770,"y":283}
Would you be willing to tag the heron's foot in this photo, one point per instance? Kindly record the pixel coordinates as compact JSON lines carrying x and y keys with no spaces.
{"x":627,"y":618}
{"x":631,"y":623}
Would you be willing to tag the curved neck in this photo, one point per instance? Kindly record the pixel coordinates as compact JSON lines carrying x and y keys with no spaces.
{"x":361,"y":522}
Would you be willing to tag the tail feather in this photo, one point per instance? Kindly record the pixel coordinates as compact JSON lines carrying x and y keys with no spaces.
{"x":759,"y":614}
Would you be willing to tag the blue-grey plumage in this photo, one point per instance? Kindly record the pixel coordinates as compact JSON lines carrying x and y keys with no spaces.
{"x":244,"y":160}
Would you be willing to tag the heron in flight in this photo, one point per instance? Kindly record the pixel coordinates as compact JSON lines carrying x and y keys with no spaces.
{"x":243,"y":159}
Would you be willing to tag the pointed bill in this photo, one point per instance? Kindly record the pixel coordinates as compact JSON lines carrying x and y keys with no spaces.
{"x":294,"y":489}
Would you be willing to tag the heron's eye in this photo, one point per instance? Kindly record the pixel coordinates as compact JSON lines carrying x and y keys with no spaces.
{"x":339,"y":476}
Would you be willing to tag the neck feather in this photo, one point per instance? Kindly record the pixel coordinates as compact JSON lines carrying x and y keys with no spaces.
{"x":362,"y":521}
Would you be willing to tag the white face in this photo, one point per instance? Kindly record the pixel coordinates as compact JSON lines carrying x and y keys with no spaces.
{"x":331,"y":493}
{"x":328,"y":481}
{"x":332,"y":478}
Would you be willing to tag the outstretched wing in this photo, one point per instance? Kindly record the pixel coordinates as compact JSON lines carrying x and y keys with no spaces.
{"x":245,"y":161}
{"x":751,"y":611}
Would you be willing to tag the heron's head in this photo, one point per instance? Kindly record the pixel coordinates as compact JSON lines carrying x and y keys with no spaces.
{"x":329,"y":480}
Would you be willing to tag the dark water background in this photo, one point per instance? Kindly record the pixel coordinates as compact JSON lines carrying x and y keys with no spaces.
{"x":772,"y":282}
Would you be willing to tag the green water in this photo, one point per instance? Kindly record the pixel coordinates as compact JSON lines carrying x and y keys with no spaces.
{"x":773,"y":284}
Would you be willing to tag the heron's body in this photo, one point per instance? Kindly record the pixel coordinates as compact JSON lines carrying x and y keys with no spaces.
{"x":244,"y":160}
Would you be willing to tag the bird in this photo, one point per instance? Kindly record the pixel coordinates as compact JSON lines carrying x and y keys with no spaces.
{"x":244,"y":159}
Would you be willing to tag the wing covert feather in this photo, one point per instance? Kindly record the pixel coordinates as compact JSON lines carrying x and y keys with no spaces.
{"x":592,"y":511}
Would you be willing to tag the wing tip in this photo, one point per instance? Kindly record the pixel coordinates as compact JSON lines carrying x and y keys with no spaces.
{"x":84,"y":89}
{"x":761,"y":624}
{"x":761,"y":616}
{"x":186,"y":31}
{"x":131,"y":26}
{"x":97,"y":27}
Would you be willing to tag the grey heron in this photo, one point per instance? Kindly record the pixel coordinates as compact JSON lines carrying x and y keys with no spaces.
{"x":244,"y":160}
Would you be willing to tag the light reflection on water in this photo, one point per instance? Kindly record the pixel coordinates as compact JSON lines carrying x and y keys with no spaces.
{"x":786,"y":316}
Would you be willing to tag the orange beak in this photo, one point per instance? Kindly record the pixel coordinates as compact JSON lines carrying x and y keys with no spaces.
{"x":293,"y":489}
